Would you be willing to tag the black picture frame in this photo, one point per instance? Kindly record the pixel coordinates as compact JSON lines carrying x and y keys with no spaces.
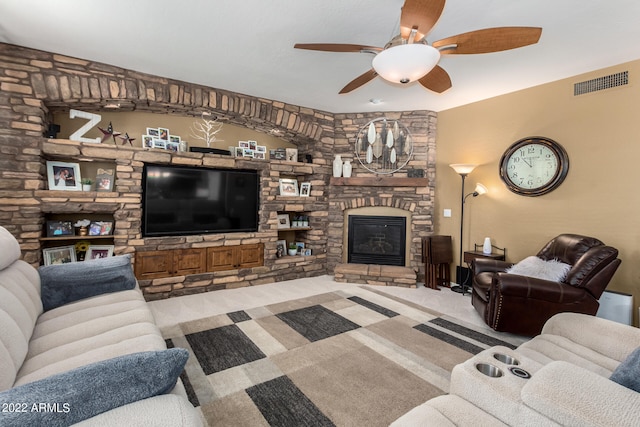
{"x":60,"y":228}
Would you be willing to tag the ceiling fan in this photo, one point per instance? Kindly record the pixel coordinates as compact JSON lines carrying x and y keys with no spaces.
{"x":408,"y":57}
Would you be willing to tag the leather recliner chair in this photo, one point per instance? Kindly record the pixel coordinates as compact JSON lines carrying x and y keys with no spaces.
{"x":521,"y":304}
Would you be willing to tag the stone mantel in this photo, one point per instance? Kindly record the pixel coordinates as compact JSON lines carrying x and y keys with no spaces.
{"x":380,"y":181}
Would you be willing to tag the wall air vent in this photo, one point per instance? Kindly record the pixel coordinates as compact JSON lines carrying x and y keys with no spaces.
{"x":601,"y":83}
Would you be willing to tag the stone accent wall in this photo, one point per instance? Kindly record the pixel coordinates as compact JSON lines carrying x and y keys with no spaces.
{"x":33,"y":84}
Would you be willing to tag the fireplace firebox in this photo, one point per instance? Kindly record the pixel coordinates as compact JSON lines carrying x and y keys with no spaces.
{"x":376,"y":240}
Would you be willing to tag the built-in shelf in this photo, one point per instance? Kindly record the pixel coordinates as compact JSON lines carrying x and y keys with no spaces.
{"x":380,"y":181}
{"x":75,"y":237}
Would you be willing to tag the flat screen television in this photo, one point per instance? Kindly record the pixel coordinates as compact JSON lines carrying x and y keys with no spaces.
{"x":182,"y":200}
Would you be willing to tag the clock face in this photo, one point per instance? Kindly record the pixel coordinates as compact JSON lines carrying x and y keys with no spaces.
{"x":534,"y":166}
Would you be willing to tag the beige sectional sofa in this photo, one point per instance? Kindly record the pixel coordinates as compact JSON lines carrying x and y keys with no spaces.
{"x":569,"y":366}
{"x":69,"y":356}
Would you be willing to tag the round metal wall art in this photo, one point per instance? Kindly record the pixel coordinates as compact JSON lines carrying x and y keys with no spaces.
{"x":384,"y":146}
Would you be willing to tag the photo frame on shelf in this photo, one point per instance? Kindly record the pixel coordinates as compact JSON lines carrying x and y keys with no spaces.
{"x":239,"y":151}
{"x":175,"y":139}
{"x":243,"y":144}
{"x":281,"y":242}
{"x":159,"y":143}
{"x":104,"y":179}
{"x":60,"y":228}
{"x":261,"y":149}
{"x":172,"y":146}
{"x":283,"y":221}
{"x":307,"y":252}
{"x":292,"y":154}
{"x":64,"y":176}
{"x":163,"y":134}
{"x":99,"y":251}
{"x":253,"y":144}
{"x":300,"y":246}
{"x":259,"y":155}
{"x":289,"y":187}
{"x":154,"y":132}
{"x":59,"y":255}
{"x":247,"y":152}
{"x":305,"y":189}
{"x":147,"y":141}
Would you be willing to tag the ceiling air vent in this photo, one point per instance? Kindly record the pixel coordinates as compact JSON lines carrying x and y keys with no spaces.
{"x":601,"y":83}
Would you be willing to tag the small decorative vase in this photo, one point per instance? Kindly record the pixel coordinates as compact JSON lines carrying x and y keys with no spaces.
{"x":293,"y":252}
{"x":86,"y":187}
{"x":337,"y":166}
{"x":83,"y":231}
{"x":182,"y":146}
{"x":486,"y":247}
{"x":347,"y":168}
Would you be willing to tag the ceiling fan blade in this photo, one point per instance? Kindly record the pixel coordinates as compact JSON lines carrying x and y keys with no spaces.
{"x":421,"y":15}
{"x":437,"y":80}
{"x":336,"y":47}
{"x":359,"y":81}
{"x":489,"y":40}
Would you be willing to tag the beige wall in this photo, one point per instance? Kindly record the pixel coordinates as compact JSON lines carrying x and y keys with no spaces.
{"x":136,"y":124}
{"x":599,"y":197}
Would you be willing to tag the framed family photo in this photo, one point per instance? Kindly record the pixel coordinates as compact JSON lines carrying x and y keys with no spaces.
{"x":59,"y":228}
{"x":283,"y":221}
{"x":104,"y":180}
{"x":64,"y":176}
{"x":99,"y":251}
{"x":59,"y":255}
{"x":305,"y":189}
{"x":289,"y":187}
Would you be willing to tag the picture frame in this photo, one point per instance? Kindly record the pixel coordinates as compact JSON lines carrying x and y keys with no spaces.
{"x":163,"y":133}
{"x":239,"y":152}
{"x":305,"y":189}
{"x":104,"y":179}
{"x":94,"y":229}
{"x":147,"y":141}
{"x":247,"y":152}
{"x":282,"y":243}
{"x":159,"y":143}
{"x":261,"y":148}
{"x":289,"y":187}
{"x":307,"y":252}
{"x":175,"y":139}
{"x":292,"y":154}
{"x":64,"y":176}
{"x":60,"y":228}
{"x":172,"y":146}
{"x":59,"y":255}
{"x":259,"y":155}
{"x":99,"y":251}
{"x":243,"y":144}
{"x":253,"y":144}
{"x":154,"y":132}
{"x":300,"y":246}
{"x":283,"y":221}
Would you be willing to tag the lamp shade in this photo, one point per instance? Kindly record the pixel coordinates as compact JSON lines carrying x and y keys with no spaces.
{"x":405,"y":63}
{"x":463,"y":168}
{"x":480,"y":189}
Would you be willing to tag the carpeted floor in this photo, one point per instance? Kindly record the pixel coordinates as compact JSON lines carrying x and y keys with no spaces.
{"x":344,"y":358}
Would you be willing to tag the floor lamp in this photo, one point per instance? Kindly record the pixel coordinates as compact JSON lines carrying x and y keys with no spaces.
{"x":463,"y":170}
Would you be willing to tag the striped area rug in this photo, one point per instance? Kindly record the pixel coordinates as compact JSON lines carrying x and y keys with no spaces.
{"x":345,"y":358}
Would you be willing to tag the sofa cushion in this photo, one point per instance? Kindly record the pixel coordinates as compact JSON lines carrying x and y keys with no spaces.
{"x":628,"y":372}
{"x":65,"y":283}
{"x":533,"y":266}
{"x":79,"y":394}
{"x":88,"y":331}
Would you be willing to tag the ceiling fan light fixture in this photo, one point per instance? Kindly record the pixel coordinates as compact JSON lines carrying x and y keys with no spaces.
{"x":405,"y":63}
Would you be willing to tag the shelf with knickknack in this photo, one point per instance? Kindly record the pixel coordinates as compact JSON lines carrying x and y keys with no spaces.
{"x":292,"y":234}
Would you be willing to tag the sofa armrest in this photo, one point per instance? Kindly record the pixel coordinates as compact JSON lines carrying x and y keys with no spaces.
{"x":574,"y":396}
{"x":168,"y":410}
{"x":488,"y":265}
{"x":606,"y":337}
{"x":65,"y":283}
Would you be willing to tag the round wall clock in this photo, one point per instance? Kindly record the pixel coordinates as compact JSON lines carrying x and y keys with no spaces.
{"x":534,"y":166}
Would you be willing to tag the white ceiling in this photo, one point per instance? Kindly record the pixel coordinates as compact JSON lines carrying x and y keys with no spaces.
{"x":247,"y":46}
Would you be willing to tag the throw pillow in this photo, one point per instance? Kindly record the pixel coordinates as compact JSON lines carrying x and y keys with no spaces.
{"x":533,"y":266}
{"x":65,"y":283}
{"x":628,"y":372}
{"x":70,"y":397}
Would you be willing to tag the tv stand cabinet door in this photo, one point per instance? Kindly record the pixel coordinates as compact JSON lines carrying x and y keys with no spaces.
{"x":189,"y":261}
{"x":153,"y":264}
{"x":221,"y":258}
{"x":251,"y":255}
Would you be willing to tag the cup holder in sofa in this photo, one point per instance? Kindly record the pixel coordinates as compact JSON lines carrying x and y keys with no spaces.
{"x":489,"y":370}
{"x":506,"y":359}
